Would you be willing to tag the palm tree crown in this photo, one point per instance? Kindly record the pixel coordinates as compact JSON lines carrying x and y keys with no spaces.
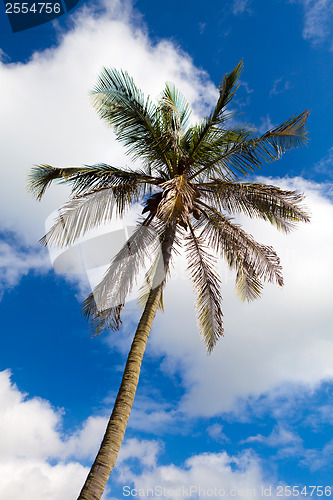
{"x":190,"y":184}
{"x":190,"y":181}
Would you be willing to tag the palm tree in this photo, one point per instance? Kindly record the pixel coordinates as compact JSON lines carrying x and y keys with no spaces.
{"x":190,"y":182}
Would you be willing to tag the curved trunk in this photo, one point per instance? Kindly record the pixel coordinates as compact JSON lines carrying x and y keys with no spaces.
{"x":114,"y":434}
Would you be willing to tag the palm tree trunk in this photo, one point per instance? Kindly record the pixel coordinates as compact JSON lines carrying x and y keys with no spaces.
{"x":105,"y":460}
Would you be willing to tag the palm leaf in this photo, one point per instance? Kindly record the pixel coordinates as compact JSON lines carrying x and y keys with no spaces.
{"x":134,"y":118}
{"x":251,"y":260}
{"x":41,"y":176}
{"x":100,"y":321}
{"x":198,"y":134}
{"x":237,"y":152}
{"x":78,"y":216}
{"x":85,"y":178}
{"x":85,"y":212}
{"x":176,"y":107}
{"x":102,"y":175}
{"x":281,"y":208}
{"x":207,"y":286}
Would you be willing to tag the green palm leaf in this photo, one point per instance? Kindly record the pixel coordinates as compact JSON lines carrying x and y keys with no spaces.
{"x":41,"y":177}
{"x":281,"y":208}
{"x":197,"y":136}
{"x":134,"y":118}
{"x":206,"y":283}
{"x":251,"y":260}
{"x":237,"y":152}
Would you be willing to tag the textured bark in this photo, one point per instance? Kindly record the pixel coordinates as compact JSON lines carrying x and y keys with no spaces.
{"x":115,"y":431}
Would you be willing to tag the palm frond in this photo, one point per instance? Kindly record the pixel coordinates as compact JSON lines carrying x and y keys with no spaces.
{"x":207,"y":286}
{"x":280,"y":207}
{"x":108,"y":319}
{"x":134,"y":118}
{"x":197,"y":135}
{"x":238,"y":152}
{"x":85,"y":178}
{"x":176,"y":106}
{"x":149,"y":241}
{"x":41,"y":176}
{"x":291,"y":134}
{"x":252,"y":261}
{"x":78,"y":216}
{"x":96,"y":207}
{"x":101,"y":175}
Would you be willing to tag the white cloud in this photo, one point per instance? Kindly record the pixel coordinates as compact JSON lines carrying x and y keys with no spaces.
{"x":27,"y":479}
{"x":320,"y":458}
{"x":318,"y":15}
{"x":145,"y":451}
{"x":37,"y":460}
{"x":34,"y":456}
{"x":28,"y":427}
{"x":84,"y":443}
{"x":282,"y":338}
{"x":30,"y":437}
{"x":266,"y":124}
{"x":207,"y":474}
{"x":320,"y":417}
{"x":279,"y":437}
{"x":215,"y":432}
{"x":17,"y":262}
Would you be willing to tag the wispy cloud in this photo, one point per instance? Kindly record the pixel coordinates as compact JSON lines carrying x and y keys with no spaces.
{"x":215,"y":431}
{"x":325,"y":165}
{"x":279,"y":437}
{"x":202,"y":27}
{"x":280,"y":85}
{"x":241,"y":6}
{"x":318,"y":20}
{"x":266,"y":124}
{"x":316,"y":459}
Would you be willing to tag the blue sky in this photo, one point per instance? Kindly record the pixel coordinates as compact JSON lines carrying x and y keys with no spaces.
{"x":258,"y":411}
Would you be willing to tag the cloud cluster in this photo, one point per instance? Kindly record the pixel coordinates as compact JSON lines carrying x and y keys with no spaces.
{"x":207,"y":474}
{"x":38,"y":461}
{"x":30,"y":437}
